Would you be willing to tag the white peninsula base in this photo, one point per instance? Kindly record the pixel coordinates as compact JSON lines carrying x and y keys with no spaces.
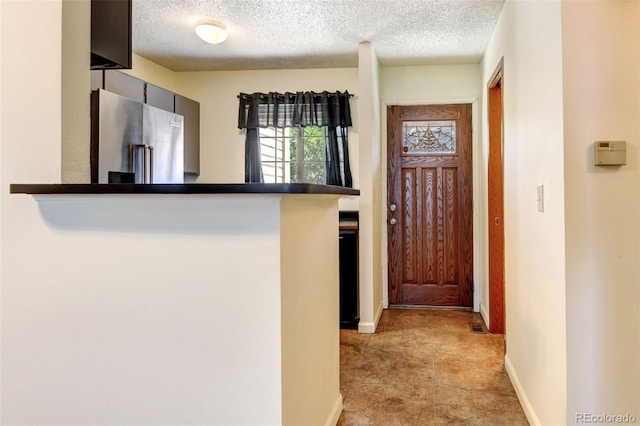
{"x":174,"y":309}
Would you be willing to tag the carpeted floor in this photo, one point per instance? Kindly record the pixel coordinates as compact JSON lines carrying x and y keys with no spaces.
{"x":426,"y":367}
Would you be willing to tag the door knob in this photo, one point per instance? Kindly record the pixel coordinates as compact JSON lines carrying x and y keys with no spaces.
{"x":392,"y":207}
{"x":393,"y":221}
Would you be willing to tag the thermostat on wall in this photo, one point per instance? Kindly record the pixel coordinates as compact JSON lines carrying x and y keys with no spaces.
{"x":610,"y":153}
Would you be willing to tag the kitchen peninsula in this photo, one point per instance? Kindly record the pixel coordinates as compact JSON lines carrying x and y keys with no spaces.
{"x":183,"y":304}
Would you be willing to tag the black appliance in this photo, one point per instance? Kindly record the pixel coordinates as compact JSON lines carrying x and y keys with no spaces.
{"x":349,"y":294}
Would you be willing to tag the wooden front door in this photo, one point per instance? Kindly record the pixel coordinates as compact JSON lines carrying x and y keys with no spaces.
{"x":429,"y":214}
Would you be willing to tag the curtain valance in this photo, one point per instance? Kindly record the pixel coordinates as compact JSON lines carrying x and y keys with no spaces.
{"x":274,"y":109}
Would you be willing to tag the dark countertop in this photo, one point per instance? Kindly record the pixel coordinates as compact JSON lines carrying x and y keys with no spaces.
{"x":187,"y":188}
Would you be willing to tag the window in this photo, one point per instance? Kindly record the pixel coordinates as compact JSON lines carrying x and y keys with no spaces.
{"x":275,"y":152}
{"x":294,"y":154}
{"x":296,"y":137}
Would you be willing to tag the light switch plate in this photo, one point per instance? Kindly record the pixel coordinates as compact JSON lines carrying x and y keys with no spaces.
{"x":540,"y":198}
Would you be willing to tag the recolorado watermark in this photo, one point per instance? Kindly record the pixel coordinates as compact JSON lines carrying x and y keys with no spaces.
{"x":605,"y":418}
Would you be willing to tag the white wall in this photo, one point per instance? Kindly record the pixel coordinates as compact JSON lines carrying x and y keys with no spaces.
{"x":123,"y":310}
{"x":602,"y":102}
{"x":416,"y":85}
{"x":371,"y":201}
{"x":528,"y":36}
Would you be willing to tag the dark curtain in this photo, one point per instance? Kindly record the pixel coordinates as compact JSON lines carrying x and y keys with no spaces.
{"x":252,"y":166}
{"x":302,"y":109}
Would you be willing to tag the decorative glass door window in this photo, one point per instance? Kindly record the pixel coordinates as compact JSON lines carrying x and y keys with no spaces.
{"x":429,"y":137}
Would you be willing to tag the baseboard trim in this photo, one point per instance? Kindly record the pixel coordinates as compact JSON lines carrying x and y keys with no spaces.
{"x":366,"y":327}
{"x":522,"y":396}
{"x":485,"y":315}
{"x":336,"y":411}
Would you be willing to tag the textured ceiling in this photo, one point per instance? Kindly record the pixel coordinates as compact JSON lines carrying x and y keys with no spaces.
{"x":272,"y":34}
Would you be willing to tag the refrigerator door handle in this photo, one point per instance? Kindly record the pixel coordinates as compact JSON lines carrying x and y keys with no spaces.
{"x":139,"y":162}
{"x":151,"y":160}
{"x":133,"y":149}
{"x":145,"y":162}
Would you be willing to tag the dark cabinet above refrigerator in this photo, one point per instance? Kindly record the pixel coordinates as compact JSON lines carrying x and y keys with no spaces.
{"x":111,"y":34}
{"x":190,"y":110}
{"x":119,"y":83}
{"x":158,"y":97}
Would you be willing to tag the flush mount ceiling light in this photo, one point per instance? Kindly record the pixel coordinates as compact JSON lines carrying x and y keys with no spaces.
{"x":211,"y":31}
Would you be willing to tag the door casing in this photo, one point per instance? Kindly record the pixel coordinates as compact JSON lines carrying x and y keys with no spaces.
{"x":495,"y":201}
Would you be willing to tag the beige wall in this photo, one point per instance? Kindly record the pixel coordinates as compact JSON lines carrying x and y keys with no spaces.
{"x":153,"y":73}
{"x":31,"y":106}
{"x":76,"y":124}
{"x":601,"y":78}
{"x":221,"y":142}
{"x":370,"y":234}
{"x":528,"y":36}
{"x":310,"y":314}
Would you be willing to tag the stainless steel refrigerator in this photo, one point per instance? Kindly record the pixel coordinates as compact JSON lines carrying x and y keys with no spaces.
{"x":132,"y":142}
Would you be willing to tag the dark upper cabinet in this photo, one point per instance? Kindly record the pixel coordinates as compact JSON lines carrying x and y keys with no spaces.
{"x":159,"y":97}
{"x":190,"y":110}
{"x":124,"y":85}
{"x":111,"y":34}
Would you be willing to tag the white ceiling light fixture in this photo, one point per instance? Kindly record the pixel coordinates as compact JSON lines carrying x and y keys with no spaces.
{"x":211,"y":31}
